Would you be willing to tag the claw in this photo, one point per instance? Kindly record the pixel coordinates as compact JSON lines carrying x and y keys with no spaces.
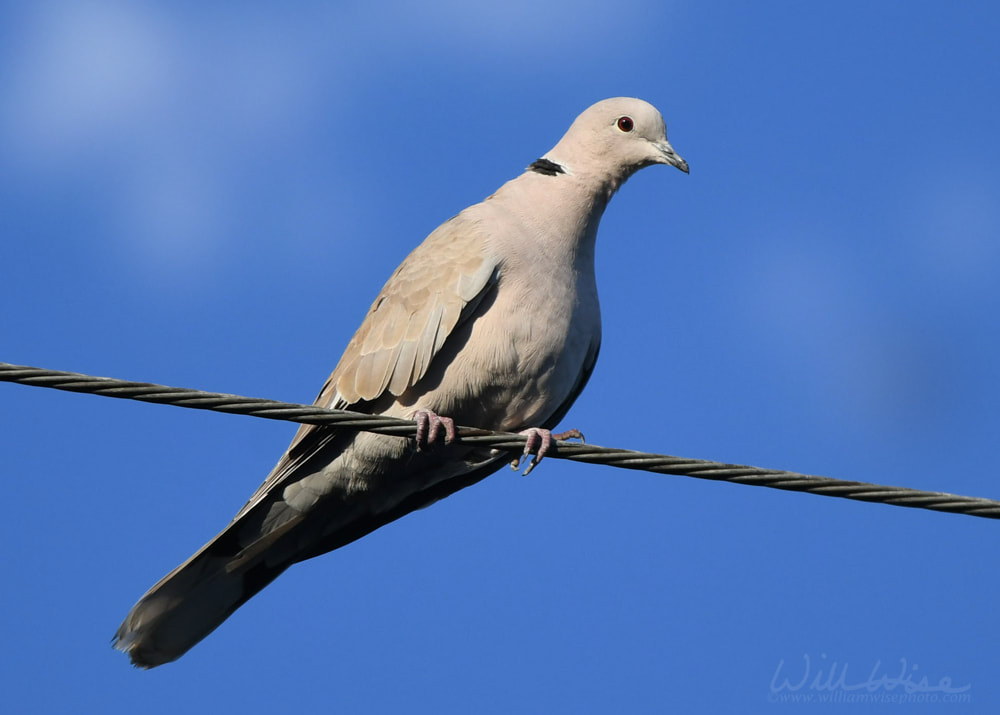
{"x":538,"y":443}
{"x":429,"y":427}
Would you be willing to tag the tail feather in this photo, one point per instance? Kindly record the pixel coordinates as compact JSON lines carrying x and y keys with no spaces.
{"x":189,"y":603}
{"x":259,"y":545}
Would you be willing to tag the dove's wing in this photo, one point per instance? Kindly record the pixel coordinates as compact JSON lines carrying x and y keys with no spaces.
{"x":437,"y":288}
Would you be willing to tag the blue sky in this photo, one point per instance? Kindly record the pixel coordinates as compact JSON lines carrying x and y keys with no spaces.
{"x":210,"y":197}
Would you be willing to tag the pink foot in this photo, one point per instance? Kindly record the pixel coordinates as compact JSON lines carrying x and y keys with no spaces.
{"x":538,"y":444}
{"x":429,"y":427}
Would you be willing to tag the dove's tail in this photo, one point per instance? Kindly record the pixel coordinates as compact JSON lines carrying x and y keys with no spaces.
{"x":258,"y":545}
{"x":190,"y":602}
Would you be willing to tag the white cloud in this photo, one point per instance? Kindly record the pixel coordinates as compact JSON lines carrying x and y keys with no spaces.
{"x":165,"y":111}
{"x":955,"y":229}
{"x":155,"y":112}
{"x":838,"y":337}
{"x":522,"y":29}
{"x":81,"y":74}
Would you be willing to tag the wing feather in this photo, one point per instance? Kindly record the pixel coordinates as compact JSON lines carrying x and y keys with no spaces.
{"x":402,"y":371}
{"x":416,"y":311}
{"x":434,"y":290}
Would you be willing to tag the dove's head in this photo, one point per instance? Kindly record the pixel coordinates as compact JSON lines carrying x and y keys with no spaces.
{"x":616,"y":137}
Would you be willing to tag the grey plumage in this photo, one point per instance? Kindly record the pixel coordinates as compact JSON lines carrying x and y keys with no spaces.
{"x":492,"y":321}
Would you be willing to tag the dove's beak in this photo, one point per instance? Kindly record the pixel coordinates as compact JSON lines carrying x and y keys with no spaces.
{"x":669,"y":156}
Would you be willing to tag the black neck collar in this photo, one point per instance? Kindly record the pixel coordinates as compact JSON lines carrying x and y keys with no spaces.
{"x":547,"y":167}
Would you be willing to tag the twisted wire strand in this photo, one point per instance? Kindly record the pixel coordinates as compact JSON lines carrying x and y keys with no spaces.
{"x":593,"y":454}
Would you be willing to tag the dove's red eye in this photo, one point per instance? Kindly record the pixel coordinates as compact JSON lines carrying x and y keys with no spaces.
{"x":626,"y":124}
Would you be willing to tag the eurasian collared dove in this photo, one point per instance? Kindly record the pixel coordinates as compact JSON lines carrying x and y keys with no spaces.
{"x":493,"y":321}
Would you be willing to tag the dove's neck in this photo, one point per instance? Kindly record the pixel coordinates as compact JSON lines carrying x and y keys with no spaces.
{"x":559,"y":211}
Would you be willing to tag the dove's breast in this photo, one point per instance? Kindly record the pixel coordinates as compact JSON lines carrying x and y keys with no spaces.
{"x":524,"y":353}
